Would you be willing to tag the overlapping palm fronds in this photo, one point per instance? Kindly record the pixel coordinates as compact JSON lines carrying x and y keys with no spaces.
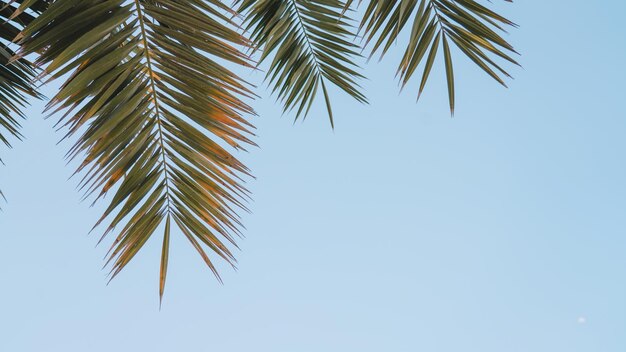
{"x":312,"y":43}
{"x":472,"y":27}
{"x":16,"y":77}
{"x":152,"y":109}
{"x":155,"y":111}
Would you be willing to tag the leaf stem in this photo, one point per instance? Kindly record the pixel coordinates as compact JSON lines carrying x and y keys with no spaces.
{"x":146,"y":50}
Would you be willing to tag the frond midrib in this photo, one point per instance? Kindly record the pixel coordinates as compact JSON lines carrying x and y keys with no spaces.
{"x":313,"y":53}
{"x":155,"y":99}
{"x":293,"y":4}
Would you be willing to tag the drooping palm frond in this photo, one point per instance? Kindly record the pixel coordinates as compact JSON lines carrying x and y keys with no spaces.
{"x":16,"y":78}
{"x":470,"y":26}
{"x":154,"y":110}
{"x":312,"y":43}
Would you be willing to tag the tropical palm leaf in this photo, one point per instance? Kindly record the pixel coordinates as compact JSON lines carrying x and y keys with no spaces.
{"x":312,"y":42}
{"x":156,"y":112}
{"x":470,"y":26}
{"x":15,"y":77}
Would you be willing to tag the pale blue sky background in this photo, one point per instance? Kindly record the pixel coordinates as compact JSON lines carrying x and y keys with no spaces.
{"x":404,"y":230}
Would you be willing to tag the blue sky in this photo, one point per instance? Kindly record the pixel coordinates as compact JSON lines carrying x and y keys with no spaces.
{"x":501,"y":229}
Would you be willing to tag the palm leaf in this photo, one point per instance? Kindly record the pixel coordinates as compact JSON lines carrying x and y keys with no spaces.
{"x":312,"y":43}
{"x":156,"y":113}
{"x":473,"y":28}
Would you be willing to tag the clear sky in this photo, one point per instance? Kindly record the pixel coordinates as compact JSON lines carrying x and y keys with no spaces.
{"x":501,"y":229}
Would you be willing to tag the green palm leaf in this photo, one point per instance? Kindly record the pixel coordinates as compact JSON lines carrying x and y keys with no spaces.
{"x":473,"y":28}
{"x":312,"y":43}
{"x":16,"y":77}
{"x":155,"y":113}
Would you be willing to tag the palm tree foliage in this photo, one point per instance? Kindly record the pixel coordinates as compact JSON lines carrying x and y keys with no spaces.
{"x":156,"y":112}
{"x":147,"y":100}
{"x":312,"y":43}
{"x":472,"y":27}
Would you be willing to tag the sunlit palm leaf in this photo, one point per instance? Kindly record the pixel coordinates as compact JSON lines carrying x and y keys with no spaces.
{"x":472,"y":27}
{"x":153,"y":110}
{"x":312,"y":43}
{"x":16,"y":78}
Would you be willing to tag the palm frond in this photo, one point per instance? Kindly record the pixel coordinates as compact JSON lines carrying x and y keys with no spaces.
{"x":16,"y":77}
{"x":471,"y":27}
{"x":312,"y":42}
{"x":156,"y":113}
